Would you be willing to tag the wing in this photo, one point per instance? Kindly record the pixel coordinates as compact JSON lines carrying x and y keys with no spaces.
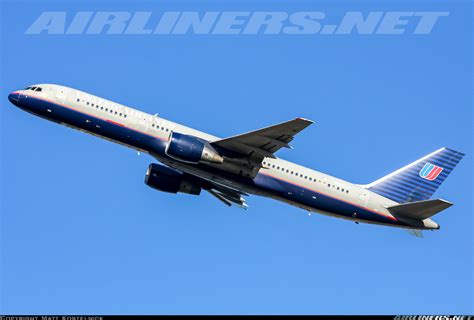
{"x":228,"y":196}
{"x":264,"y":142}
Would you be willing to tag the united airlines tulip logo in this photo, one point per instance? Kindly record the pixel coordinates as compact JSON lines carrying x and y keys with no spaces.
{"x":430,"y":171}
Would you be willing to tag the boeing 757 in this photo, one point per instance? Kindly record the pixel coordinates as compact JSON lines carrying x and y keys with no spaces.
{"x":232,"y":168}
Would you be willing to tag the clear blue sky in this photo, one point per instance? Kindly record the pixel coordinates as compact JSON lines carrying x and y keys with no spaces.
{"x":81,"y":232}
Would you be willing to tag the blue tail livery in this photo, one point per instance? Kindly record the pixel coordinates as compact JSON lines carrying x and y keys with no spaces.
{"x":418,"y":180}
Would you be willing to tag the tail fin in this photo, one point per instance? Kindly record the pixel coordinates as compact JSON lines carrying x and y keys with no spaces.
{"x":418,"y":180}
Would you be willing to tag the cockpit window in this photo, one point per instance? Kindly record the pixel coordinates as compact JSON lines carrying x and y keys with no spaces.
{"x":34,"y":88}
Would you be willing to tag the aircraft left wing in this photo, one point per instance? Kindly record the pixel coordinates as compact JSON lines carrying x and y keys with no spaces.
{"x":264,"y":142}
{"x":228,"y":196}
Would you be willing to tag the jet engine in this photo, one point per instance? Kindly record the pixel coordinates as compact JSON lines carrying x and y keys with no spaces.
{"x":169,"y":180}
{"x":191,"y":149}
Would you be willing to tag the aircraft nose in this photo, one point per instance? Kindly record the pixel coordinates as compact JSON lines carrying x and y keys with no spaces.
{"x":14,"y":97}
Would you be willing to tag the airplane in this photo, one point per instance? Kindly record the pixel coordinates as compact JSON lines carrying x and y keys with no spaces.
{"x":235,"y":167}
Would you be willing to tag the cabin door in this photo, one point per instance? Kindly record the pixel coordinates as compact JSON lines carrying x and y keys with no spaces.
{"x":142,"y":122}
{"x":61,"y":95}
{"x":363,"y":198}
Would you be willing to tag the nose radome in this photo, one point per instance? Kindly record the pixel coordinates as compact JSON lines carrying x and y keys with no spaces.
{"x":14,"y":97}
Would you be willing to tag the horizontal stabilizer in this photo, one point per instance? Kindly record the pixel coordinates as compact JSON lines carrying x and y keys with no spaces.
{"x":420,"y":210}
{"x":416,"y":233}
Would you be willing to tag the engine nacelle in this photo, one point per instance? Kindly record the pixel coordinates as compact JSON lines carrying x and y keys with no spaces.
{"x":169,"y":180}
{"x":190,"y":149}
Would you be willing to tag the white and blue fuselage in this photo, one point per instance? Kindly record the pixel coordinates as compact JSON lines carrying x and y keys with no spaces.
{"x":276,"y":178}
